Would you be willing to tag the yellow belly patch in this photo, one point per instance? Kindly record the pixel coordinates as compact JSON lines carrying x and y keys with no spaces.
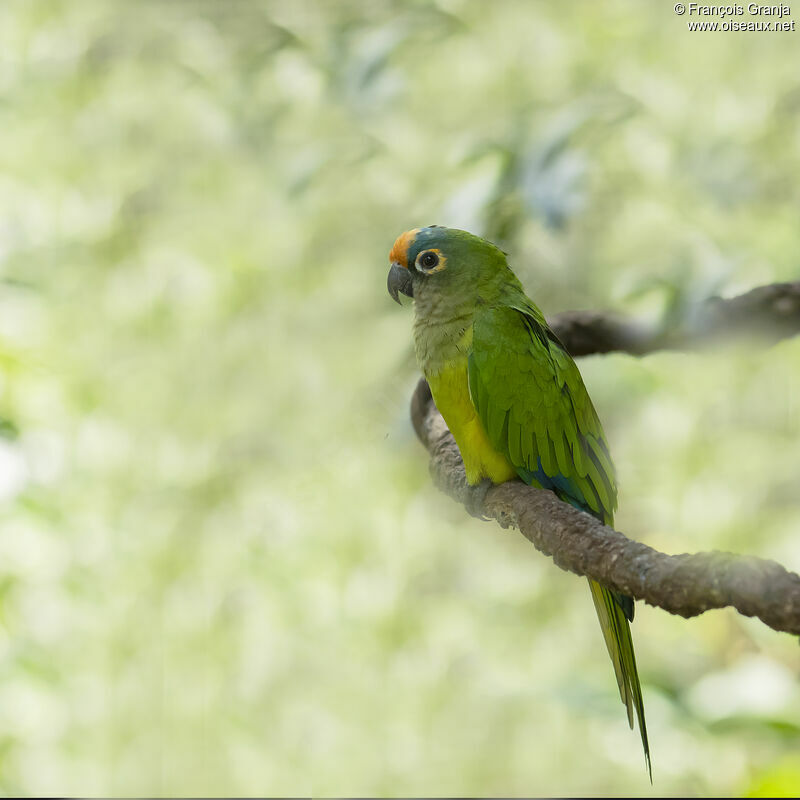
{"x":450,"y":389}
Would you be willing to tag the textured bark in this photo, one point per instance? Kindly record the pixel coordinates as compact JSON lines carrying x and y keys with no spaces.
{"x":685,"y":584}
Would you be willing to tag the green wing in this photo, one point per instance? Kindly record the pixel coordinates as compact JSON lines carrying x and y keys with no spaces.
{"x":531,"y":399}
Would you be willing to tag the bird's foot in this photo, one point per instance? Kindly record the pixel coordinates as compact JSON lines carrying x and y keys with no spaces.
{"x":476,"y":496}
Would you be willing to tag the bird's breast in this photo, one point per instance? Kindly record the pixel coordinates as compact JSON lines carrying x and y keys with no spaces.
{"x":450,"y":388}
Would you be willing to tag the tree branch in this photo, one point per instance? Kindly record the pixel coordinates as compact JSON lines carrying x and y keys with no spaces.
{"x":769,"y":312}
{"x":685,"y":584}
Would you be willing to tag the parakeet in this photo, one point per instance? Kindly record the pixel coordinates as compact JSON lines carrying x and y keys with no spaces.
{"x":512,"y":397}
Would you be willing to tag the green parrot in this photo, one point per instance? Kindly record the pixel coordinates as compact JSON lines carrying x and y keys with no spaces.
{"x":512,"y":397}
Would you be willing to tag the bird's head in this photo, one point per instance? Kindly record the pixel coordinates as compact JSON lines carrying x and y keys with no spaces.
{"x":444,"y":263}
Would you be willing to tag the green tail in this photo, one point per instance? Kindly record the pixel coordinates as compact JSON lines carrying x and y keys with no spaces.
{"x":617,"y":633}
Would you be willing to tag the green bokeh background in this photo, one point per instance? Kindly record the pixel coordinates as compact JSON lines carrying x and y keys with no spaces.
{"x":223,"y":567}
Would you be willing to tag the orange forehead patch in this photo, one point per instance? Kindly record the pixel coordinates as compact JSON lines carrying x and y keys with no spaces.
{"x":399,"y":252}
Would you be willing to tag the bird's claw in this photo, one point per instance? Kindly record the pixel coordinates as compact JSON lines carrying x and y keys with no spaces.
{"x":476,"y":497}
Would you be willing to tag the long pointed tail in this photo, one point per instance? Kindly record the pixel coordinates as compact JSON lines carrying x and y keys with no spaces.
{"x":617,"y":633}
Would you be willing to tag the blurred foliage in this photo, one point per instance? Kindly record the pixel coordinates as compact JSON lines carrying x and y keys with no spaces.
{"x":223,"y":569}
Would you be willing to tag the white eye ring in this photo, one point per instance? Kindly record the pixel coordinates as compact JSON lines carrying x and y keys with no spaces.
{"x":429,"y":261}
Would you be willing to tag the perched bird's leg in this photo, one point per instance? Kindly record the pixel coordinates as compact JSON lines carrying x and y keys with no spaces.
{"x":477,"y":497}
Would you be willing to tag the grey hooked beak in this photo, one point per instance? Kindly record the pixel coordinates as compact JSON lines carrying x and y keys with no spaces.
{"x":399,"y":280}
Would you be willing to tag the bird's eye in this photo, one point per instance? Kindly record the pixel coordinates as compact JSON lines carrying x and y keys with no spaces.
{"x":429,"y":260}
